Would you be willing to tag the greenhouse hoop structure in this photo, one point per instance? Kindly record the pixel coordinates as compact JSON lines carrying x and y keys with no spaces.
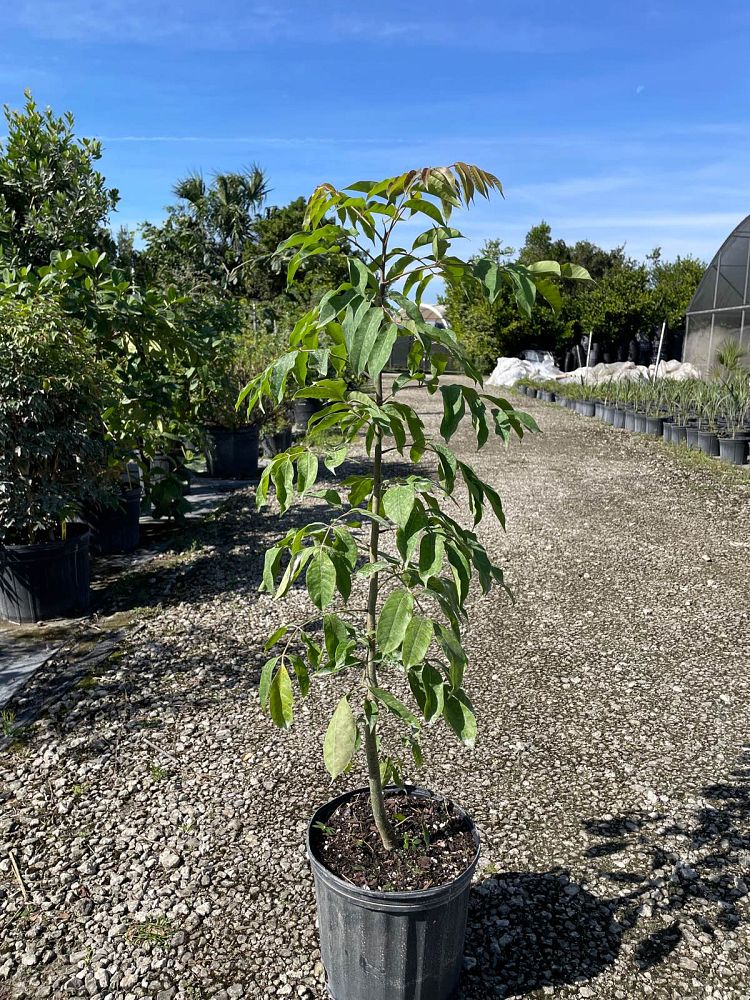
{"x":719,"y":310}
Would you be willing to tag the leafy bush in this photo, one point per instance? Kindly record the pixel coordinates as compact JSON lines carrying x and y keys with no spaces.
{"x":52,"y":439}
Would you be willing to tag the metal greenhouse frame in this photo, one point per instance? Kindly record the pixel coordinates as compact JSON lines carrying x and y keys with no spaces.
{"x":720,"y":310}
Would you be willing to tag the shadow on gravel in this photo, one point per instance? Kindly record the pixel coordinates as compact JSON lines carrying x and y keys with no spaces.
{"x":717,"y":840}
{"x":528,"y":930}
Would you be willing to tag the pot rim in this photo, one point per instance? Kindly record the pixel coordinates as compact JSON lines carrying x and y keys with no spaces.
{"x":379,"y":900}
{"x":79,"y":534}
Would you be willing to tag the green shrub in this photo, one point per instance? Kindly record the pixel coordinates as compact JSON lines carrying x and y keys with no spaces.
{"x":52,"y":442}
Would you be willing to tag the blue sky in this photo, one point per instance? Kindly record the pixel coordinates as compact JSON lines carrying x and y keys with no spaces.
{"x":617,"y":122}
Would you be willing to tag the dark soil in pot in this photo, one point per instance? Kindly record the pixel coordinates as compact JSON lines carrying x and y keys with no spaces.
{"x":441,"y":844}
{"x":47,"y":580}
{"x":401,"y":944}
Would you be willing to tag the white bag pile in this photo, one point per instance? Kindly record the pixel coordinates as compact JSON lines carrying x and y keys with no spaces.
{"x":508,"y":371}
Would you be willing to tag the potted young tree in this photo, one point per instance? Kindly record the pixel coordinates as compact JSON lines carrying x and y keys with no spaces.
{"x":52,"y":452}
{"x":392,"y":863}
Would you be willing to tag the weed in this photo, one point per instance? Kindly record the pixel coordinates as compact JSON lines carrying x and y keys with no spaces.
{"x":155,"y":931}
{"x":158,"y":773}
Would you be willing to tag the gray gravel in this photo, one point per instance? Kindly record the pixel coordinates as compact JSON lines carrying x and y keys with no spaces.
{"x":156,"y":818}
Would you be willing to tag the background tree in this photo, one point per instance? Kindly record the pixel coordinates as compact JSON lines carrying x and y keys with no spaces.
{"x":622,"y":308}
{"x":52,"y":198}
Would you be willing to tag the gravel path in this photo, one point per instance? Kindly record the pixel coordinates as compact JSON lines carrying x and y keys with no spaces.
{"x":156,"y":818}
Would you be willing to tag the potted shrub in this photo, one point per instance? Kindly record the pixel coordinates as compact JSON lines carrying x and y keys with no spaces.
{"x":733,"y":443}
{"x":392,"y":862}
{"x":115,"y":519}
{"x":231,"y":436}
{"x":52,"y":452}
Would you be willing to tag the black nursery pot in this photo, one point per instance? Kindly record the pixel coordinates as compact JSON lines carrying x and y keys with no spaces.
{"x":629,"y":421}
{"x":390,"y":945}
{"x":232,"y":453}
{"x":654,"y":426}
{"x":116,"y":529}
{"x":708,"y":443}
{"x":274,"y":444}
{"x":618,"y":417}
{"x":691,"y":437}
{"x":304,"y":409}
{"x":733,"y":450}
{"x":48,"y":580}
{"x":679,"y":434}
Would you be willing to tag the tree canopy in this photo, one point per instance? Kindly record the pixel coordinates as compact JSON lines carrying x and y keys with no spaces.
{"x":52,"y":197}
{"x":627,"y":298}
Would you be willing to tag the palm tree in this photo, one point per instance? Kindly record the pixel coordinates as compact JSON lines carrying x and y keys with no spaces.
{"x":224,"y":213}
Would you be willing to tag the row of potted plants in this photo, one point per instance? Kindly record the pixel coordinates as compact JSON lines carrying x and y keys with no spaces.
{"x":80,"y":456}
{"x":709,"y":416}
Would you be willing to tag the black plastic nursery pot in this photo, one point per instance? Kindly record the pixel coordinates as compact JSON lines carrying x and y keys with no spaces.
{"x":304,"y":409}
{"x":679,"y":434}
{"x":232,"y":453}
{"x":273,"y":444}
{"x":708,"y":443}
{"x":629,"y":422}
{"x":639,"y":422}
{"x":691,"y":437}
{"x":547,"y":397}
{"x":618,"y":417}
{"x":599,"y":411}
{"x":47,"y":580}
{"x":734,"y":450}
{"x":390,"y":945}
{"x":116,"y":529}
{"x":585,"y":408}
{"x":654,"y":426}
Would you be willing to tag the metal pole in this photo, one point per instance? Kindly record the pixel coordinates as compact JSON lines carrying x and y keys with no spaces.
{"x":658,"y":353}
{"x":588,"y":349}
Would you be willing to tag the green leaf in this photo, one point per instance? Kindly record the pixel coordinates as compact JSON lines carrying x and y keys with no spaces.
{"x":282,"y":473}
{"x":307,"y":472}
{"x":271,"y":562}
{"x":266,"y":676}
{"x":363,"y":339}
{"x":431,"y":554}
{"x":394,"y":617}
{"x":395,"y":706}
{"x":281,"y":699}
{"x":340,"y":739}
{"x":453,"y":409}
{"x":417,"y":639}
{"x":459,"y":715}
{"x":321,"y":579}
{"x":381,"y":351}
{"x":398,"y":502}
{"x":428,"y":688}
{"x":303,"y":677}
{"x":280,"y":632}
